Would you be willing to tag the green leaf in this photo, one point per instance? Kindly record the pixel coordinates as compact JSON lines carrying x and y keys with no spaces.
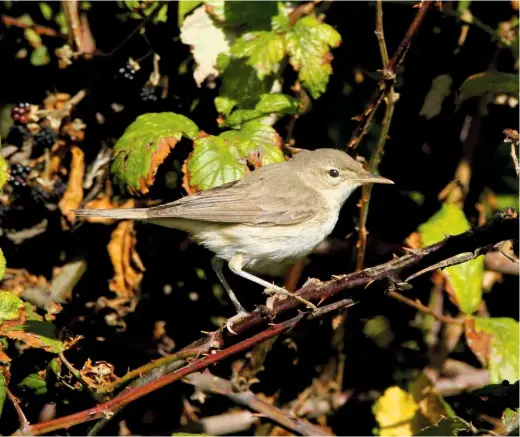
{"x":308,"y":43}
{"x":217,"y":160}
{"x":4,"y":175}
{"x":224,"y":105}
{"x":269,"y":103}
{"x":44,"y":333}
{"x":504,"y":353}
{"x":46,"y":10}
{"x":40,"y":56}
{"x":511,"y":421}
{"x":2,"y":264}
{"x":495,"y":82}
{"x":449,"y":426}
{"x":465,"y":279}
{"x":239,"y":13}
{"x":144,"y":146}
{"x":61,"y":21}
{"x":263,"y":51}
{"x":3,"y":392}
{"x":35,"y":383}
{"x":280,"y":22}
{"x":462,"y":5}
{"x":185,"y":7}
{"x":10,"y":306}
{"x":279,"y":103}
{"x":242,"y":86}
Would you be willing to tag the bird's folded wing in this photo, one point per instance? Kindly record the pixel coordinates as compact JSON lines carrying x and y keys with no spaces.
{"x":258,"y":202}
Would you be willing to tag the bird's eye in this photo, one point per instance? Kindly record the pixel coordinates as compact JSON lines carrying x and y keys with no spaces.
{"x":333,"y":173}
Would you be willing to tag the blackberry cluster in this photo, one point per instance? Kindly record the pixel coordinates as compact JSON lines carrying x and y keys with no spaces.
{"x":149,"y":94}
{"x":42,"y":196}
{"x":20,"y":113}
{"x":127,"y":72}
{"x":18,"y":175}
{"x":46,"y":137}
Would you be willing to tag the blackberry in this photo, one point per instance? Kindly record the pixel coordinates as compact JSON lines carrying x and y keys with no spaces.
{"x":18,"y":175}
{"x":43,"y":196}
{"x":20,"y":113}
{"x":46,"y":137}
{"x":148,"y":94}
{"x":18,"y":133}
{"x":127,"y":72}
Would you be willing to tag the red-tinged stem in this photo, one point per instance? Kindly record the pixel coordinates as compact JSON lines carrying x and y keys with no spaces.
{"x":131,"y":395}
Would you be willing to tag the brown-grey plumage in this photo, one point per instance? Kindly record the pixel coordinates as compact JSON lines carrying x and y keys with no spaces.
{"x":275,"y":215}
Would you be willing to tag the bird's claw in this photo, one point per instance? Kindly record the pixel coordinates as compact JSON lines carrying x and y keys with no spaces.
{"x":236,"y":318}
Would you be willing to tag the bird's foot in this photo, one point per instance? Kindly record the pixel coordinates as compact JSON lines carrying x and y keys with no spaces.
{"x":236,"y":318}
{"x":279,"y":290}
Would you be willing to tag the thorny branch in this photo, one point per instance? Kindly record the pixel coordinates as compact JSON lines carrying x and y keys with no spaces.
{"x":483,"y":239}
{"x":389,"y":76}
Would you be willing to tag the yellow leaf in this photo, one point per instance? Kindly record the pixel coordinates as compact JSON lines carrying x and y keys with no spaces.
{"x":395,"y":411}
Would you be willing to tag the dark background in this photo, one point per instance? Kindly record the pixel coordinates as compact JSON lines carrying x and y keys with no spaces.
{"x":420,"y":156}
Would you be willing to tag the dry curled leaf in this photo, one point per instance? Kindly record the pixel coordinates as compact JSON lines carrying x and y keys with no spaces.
{"x":74,"y":193}
{"x":98,"y":374}
{"x":128,"y":267}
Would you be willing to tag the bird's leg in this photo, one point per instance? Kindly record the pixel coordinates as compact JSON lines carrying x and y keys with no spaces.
{"x":217,"y":264}
{"x":236,"y":264}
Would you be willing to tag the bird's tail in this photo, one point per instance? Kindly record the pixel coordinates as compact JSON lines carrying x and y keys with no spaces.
{"x":118,"y":214}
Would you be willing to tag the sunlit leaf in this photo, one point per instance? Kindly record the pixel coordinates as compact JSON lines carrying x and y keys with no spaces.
{"x":494,"y":82}
{"x":495,"y":341}
{"x":395,"y":412}
{"x":263,"y":51}
{"x":206,"y":39}
{"x":511,"y":422}
{"x":144,"y":146}
{"x":404,"y":413}
{"x":465,"y":279}
{"x":308,"y":44}
{"x":46,"y":10}
{"x":40,"y":56}
{"x":10,"y":304}
{"x":217,"y":160}
{"x":4,"y":167}
{"x":280,"y":21}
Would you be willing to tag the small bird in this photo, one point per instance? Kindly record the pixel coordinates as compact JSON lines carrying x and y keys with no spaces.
{"x":266,"y":221}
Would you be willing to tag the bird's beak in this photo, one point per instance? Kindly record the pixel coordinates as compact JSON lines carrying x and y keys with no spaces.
{"x":373,"y":179}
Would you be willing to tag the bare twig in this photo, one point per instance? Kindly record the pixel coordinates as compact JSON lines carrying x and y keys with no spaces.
{"x":380,"y":34}
{"x":40,"y":30}
{"x":389,"y":76}
{"x":213,"y":384}
{"x":71,"y":12}
{"x":24,"y":423}
{"x":418,"y":305}
{"x":513,"y":137}
{"x":482,"y":238}
{"x":367,"y":189}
